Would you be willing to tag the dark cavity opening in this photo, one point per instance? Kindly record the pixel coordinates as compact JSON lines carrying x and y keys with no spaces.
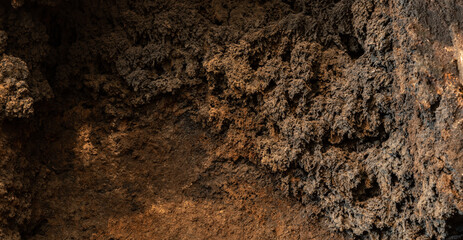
{"x":352,"y":46}
{"x":455,"y":227}
{"x":368,"y":188}
{"x":254,"y":62}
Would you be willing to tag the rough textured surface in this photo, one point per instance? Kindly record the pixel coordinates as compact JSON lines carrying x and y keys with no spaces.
{"x":119,"y":116}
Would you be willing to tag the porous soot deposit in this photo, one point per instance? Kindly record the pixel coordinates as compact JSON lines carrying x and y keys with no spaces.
{"x":231,"y":119}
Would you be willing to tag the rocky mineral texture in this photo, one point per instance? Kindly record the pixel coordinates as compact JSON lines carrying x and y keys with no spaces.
{"x":118,"y":114}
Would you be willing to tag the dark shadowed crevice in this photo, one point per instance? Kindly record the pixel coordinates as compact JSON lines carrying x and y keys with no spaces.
{"x":455,"y":227}
{"x":367,"y":188}
{"x":352,"y":46}
{"x":254,"y":62}
{"x":286,"y":56}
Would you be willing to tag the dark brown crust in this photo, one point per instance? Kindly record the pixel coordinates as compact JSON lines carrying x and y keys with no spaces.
{"x":351,"y":107}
